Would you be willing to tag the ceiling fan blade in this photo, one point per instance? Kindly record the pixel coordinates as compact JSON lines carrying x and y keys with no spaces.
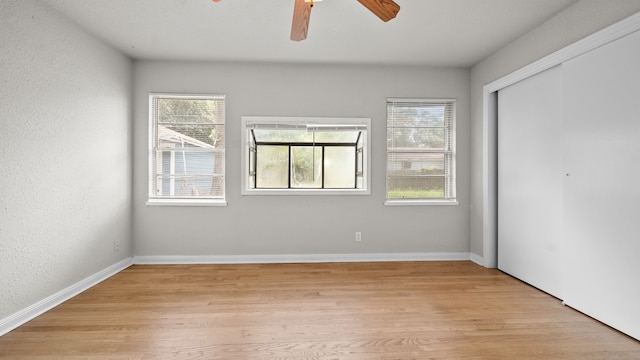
{"x":384,"y":9}
{"x":301,"y":17}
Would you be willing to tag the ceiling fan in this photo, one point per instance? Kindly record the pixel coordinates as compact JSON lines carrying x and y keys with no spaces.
{"x":384,"y":9}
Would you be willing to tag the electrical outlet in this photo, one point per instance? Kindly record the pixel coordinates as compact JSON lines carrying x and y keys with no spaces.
{"x":116,"y":245}
{"x":358,"y":236}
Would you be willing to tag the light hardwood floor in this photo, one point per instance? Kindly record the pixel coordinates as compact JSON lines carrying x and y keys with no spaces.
{"x":395,"y":310}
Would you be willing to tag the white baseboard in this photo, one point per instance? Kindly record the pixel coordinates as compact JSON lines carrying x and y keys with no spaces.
{"x":477,"y":259}
{"x":13,"y":321}
{"x":296,"y":258}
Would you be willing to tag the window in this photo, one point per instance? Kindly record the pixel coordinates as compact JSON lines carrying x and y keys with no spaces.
{"x":305,"y":155}
{"x":421,"y":151}
{"x":187,"y":157}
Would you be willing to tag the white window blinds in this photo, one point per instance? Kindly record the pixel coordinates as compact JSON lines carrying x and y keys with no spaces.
{"x":421,"y":149}
{"x":187,"y":158}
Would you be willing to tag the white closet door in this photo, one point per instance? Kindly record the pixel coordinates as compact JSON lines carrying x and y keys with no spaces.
{"x":602,"y":193}
{"x":530,"y":180}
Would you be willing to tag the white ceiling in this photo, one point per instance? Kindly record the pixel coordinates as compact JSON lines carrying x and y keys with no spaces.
{"x":456,"y":33}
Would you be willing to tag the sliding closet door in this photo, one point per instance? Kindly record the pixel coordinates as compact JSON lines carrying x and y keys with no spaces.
{"x":530,"y":180}
{"x":602,"y":191}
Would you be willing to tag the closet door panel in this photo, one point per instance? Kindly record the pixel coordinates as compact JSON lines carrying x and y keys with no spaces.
{"x":530,"y":180}
{"x":602,"y":191}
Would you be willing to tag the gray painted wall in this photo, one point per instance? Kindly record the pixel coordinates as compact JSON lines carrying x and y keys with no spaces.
{"x":575,"y":23}
{"x":281,"y":225}
{"x":65,"y":154}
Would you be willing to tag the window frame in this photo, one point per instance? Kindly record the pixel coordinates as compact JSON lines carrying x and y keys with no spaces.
{"x":153,"y":200}
{"x":249,"y":121}
{"x":449,"y":180}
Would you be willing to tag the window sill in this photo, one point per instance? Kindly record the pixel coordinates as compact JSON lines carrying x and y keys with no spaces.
{"x":186,"y":202}
{"x":324,"y":192}
{"x":399,"y":202}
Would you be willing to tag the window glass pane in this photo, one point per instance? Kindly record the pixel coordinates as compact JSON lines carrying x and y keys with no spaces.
{"x":416,"y":175}
{"x":217,"y":182}
{"x":252,"y":161}
{"x":418,"y":115}
{"x":405,"y":163}
{"x":304,"y":154}
{"x":185,"y":110}
{"x":272,"y":166}
{"x":187,"y":186}
{"x":421,"y":149}
{"x":306,"y":167}
{"x":192,"y":120}
{"x":186,"y":174}
{"x":188,"y":146}
{"x":339,"y":167}
{"x":416,"y":138}
{"x":283,"y":136}
{"x":336,"y":136}
{"x":415,"y":187}
{"x":203,"y":136}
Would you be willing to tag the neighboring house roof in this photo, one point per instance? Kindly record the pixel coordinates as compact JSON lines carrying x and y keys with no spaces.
{"x":167,"y":135}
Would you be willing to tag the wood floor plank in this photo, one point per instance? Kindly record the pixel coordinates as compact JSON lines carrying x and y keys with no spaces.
{"x":395,"y":310}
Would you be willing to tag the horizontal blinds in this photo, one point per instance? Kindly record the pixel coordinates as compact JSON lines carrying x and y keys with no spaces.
{"x":420,"y":149}
{"x":421,"y":125}
{"x":188,"y":139}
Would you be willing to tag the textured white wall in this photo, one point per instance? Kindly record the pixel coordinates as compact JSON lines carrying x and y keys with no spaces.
{"x":569,"y":26}
{"x":65,"y":154}
{"x":276,"y":225}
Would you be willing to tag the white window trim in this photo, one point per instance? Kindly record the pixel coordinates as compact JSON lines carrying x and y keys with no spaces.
{"x":186,"y":202}
{"x":419,"y":202}
{"x":248,"y":120}
{"x":178,"y":202}
{"x":429,"y":202}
